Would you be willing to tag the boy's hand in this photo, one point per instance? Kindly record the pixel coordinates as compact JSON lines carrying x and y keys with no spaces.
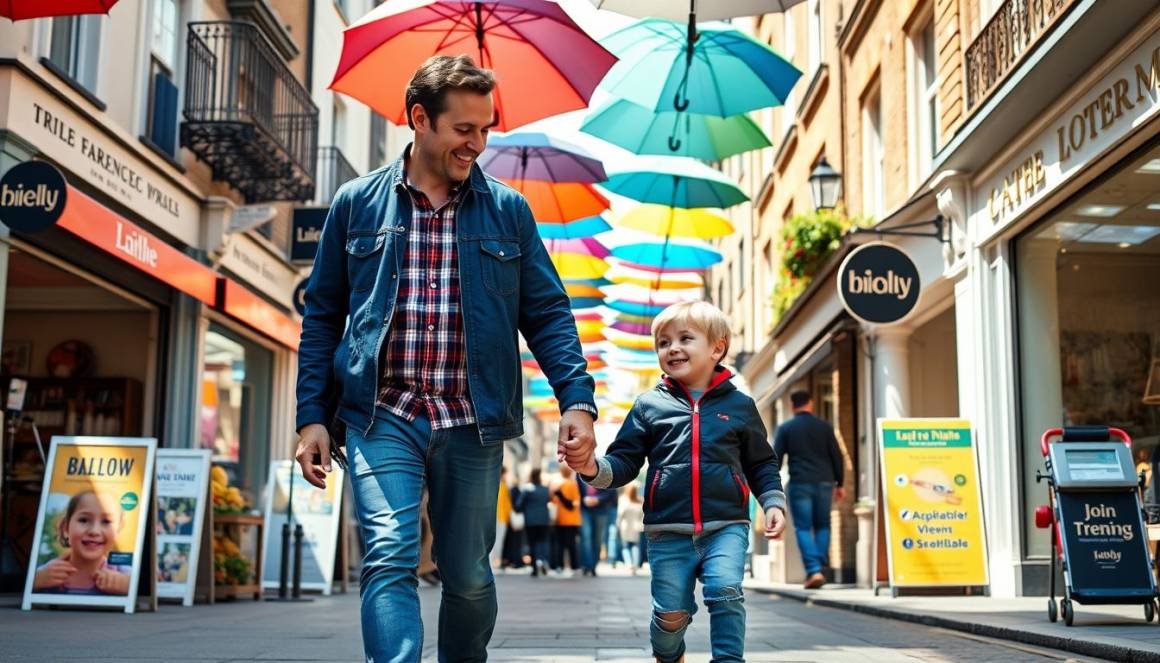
{"x":774,"y":523}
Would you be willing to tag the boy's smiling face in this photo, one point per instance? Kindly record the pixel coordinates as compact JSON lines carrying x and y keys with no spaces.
{"x":687,"y":355}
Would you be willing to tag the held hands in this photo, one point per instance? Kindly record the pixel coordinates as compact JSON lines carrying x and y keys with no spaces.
{"x":112,"y":582}
{"x":774,"y":523}
{"x":576,"y":445}
{"x":54,"y":574}
{"x":313,"y":454}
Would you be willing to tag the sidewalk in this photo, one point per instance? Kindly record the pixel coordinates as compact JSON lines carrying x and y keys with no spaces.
{"x":1107,"y":631}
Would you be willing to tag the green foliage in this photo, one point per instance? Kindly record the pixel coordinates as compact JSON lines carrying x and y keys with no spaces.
{"x":807,"y":242}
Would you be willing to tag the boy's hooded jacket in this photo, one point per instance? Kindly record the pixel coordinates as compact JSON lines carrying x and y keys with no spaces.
{"x":703,"y":457}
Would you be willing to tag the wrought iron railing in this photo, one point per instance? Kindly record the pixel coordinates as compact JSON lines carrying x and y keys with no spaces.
{"x":246,"y":115}
{"x":333,"y":171}
{"x":1010,"y":34}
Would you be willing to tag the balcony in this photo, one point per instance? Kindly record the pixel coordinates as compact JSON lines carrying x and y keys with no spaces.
{"x":246,"y":116}
{"x":333,"y":171}
{"x":1011,"y":34}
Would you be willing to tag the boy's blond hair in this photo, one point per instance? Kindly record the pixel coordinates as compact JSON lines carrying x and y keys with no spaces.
{"x":700,"y":315}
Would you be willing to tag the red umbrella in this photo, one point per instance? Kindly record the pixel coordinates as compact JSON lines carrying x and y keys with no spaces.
{"x":21,"y":9}
{"x":544,"y":63}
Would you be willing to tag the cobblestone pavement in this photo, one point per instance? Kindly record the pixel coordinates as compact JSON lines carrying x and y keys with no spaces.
{"x":567,"y":620}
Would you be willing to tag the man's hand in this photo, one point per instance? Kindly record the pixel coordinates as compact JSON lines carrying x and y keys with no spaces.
{"x":839,"y":493}
{"x":576,"y":445}
{"x":774,"y":523}
{"x":314,"y":440}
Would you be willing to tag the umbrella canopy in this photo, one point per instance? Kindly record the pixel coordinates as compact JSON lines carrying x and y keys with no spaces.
{"x":676,"y":222}
{"x":629,"y":341}
{"x":656,"y":297}
{"x":668,"y":132}
{"x":578,"y":229}
{"x":587,"y":246}
{"x":560,"y":202}
{"x":668,"y":256}
{"x":706,"y":10}
{"x":676,"y":182}
{"x":537,"y":156}
{"x":722,"y":72}
{"x":18,"y":10}
{"x":635,"y":328}
{"x":633,"y":308}
{"x":578,"y":266}
{"x":622,"y":273}
{"x":544,"y":63}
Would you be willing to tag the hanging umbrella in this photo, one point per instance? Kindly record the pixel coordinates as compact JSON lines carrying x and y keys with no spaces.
{"x":560,"y":202}
{"x":633,"y":308}
{"x":638,"y":329}
{"x":620,"y":272}
{"x":676,"y":182}
{"x":579,"y":229}
{"x":658,"y":297}
{"x":586,"y":246}
{"x":590,"y":331}
{"x":667,"y":132}
{"x":578,"y":265}
{"x":705,"y":10}
{"x":584,"y":295}
{"x":711,"y":68}
{"x":666,"y":256}
{"x":18,"y":10}
{"x":540,"y":157}
{"x":669,"y":222}
{"x":629,"y":341}
{"x":544,"y":63}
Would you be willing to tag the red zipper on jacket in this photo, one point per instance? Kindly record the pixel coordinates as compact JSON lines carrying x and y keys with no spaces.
{"x":652,"y":491}
{"x":743,"y":487}
{"x":718,"y":379}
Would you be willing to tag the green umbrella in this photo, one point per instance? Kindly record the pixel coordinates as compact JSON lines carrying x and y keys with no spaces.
{"x":640,"y":130}
{"x":676,"y":182}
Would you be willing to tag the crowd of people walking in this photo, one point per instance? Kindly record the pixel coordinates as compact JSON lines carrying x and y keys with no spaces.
{"x":557,"y":524}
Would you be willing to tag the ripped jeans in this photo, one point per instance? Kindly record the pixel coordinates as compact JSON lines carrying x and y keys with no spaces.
{"x":677,"y":561}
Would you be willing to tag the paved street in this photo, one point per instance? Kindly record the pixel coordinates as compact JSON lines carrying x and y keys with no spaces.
{"x":554,"y":619}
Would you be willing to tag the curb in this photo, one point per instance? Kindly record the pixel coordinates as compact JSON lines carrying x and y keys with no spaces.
{"x":1073,"y":645}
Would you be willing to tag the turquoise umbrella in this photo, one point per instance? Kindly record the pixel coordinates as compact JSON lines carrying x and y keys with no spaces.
{"x":711,"y":68}
{"x":634,"y":308}
{"x":676,"y":182}
{"x":667,"y":256}
{"x":640,"y":130}
{"x":579,"y":229}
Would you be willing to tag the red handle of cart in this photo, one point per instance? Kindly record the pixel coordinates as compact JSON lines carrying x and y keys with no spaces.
{"x":1051,"y":433}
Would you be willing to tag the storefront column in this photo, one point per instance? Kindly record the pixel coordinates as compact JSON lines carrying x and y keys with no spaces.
{"x":13,"y":150}
{"x":892,"y":371}
{"x":181,"y":425}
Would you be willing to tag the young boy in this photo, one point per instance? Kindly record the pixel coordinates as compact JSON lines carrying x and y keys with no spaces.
{"x":706,"y":446}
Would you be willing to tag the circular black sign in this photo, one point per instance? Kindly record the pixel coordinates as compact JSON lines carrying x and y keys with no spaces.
{"x":300,"y":297}
{"x":878,"y":284}
{"x":32,"y":196}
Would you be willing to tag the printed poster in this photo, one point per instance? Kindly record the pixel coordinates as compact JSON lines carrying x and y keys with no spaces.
{"x":92,"y":521}
{"x":318,"y":511}
{"x":934,"y":511}
{"x":182,"y":483}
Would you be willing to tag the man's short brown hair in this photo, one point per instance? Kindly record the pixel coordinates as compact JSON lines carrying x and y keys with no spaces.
{"x":432,"y":80}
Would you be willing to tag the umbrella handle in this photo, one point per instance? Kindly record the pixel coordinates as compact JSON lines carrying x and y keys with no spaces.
{"x":675,"y":143}
{"x":681,"y":105}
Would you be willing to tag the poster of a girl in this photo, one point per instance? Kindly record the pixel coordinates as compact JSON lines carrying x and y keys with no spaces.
{"x":87,"y":532}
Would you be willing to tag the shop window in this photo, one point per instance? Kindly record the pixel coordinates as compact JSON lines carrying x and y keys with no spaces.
{"x":235,"y":410}
{"x":1089,"y":320}
{"x":76,"y":48}
{"x":873,"y":158}
{"x":162,"y":116}
{"x":814,"y":10}
{"x":378,"y":155}
{"x":924,"y":100}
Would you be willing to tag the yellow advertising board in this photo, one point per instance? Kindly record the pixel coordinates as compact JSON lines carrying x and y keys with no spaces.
{"x":90,"y":529}
{"x":933,"y":508}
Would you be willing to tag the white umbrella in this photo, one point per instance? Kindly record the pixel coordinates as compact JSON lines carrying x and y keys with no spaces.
{"x":705,"y":10}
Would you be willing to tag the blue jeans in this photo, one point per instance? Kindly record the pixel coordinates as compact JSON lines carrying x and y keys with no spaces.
{"x":677,"y":561}
{"x":593,"y":525}
{"x":388,"y":469}
{"x":630,"y":553}
{"x":810,"y":505}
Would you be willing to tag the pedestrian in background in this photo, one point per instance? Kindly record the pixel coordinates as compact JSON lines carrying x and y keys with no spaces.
{"x":533,"y":503}
{"x":815,"y":481}
{"x":705,"y":445}
{"x":597,"y":506}
{"x":566,"y":495}
{"x":503,"y":513}
{"x":630,"y":525}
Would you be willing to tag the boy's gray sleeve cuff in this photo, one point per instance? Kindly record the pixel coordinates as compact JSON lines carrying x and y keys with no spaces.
{"x":771,"y":499}
{"x":603,"y":478}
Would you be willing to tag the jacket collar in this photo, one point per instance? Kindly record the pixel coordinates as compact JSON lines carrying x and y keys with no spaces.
{"x":720,"y":379}
{"x":476,"y":179}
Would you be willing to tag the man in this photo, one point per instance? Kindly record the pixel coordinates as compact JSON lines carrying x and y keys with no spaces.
{"x":815,"y":478}
{"x":425,"y":272}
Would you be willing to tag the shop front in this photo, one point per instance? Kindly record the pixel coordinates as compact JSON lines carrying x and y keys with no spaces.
{"x":1061,"y":292}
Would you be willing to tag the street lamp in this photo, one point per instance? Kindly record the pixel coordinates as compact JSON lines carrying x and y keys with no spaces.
{"x":825,"y":185}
